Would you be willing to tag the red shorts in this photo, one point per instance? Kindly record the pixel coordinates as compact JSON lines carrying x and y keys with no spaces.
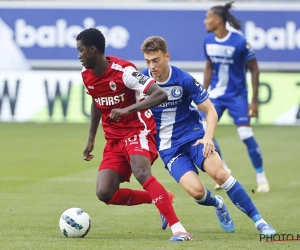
{"x":116,"y":155}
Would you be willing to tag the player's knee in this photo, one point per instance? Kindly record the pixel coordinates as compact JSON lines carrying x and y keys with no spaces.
{"x":141,"y":174}
{"x":104,"y":195}
{"x":222,"y":176}
{"x":141,"y":168}
{"x":196,"y":192}
{"x":194,"y":188}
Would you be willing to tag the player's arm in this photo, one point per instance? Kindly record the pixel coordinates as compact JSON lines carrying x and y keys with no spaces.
{"x":253,"y":67}
{"x":156,"y":95}
{"x":137,"y":81}
{"x":207,"y":72}
{"x":211,"y":119}
{"x":94,"y":123}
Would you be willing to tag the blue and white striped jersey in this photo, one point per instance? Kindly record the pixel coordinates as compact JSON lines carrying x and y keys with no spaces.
{"x":177,"y":120}
{"x":228,"y":56}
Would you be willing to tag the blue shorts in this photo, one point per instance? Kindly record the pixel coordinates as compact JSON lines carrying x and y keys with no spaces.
{"x":186,"y":158}
{"x":237,"y":109}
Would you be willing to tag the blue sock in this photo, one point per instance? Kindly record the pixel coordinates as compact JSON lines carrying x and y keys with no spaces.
{"x":218,"y":149}
{"x":239,"y":197}
{"x":254,"y":154}
{"x":259,"y":221}
{"x":208,"y":200}
{"x":256,"y":218}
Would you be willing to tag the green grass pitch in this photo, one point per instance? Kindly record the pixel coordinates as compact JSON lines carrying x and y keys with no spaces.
{"x":42,"y":173}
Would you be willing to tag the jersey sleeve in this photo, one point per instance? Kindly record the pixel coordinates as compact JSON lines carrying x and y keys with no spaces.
{"x":135,"y":80}
{"x":247,"y":51}
{"x":82,"y":75}
{"x":86,"y":90}
{"x":195,"y":90}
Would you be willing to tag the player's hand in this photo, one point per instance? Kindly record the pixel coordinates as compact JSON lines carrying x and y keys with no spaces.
{"x":87,"y":156}
{"x":253,"y":109}
{"x":116,"y":114}
{"x":208,"y":146}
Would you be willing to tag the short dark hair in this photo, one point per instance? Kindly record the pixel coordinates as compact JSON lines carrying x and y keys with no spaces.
{"x":91,"y":37}
{"x":224,"y":13}
{"x":154,"y":44}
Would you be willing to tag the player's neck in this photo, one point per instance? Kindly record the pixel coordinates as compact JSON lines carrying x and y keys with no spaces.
{"x":101,"y":66}
{"x":221,"y":32}
{"x":164,"y":76}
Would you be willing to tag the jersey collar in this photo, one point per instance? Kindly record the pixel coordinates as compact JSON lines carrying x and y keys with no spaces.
{"x":224,"y":39}
{"x":170,"y":73}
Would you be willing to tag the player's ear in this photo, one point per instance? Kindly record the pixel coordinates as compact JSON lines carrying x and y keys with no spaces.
{"x":168,"y":56}
{"x":219,"y":20}
{"x":93,"y":49}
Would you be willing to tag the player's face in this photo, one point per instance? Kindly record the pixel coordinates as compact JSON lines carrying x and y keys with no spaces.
{"x":211,"y":21}
{"x":158,"y":63}
{"x":85,"y":55}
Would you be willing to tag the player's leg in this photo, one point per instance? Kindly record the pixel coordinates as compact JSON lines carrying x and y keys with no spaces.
{"x":203,"y":196}
{"x":183,"y":170}
{"x":220,"y":108}
{"x":239,"y":111}
{"x":141,"y":158}
{"x":236,"y":193}
{"x":108,"y":191}
{"x":247,"y":136}
{"x":218,"y":150}
{"x":141,"y":168}
{"x":113,"y":170}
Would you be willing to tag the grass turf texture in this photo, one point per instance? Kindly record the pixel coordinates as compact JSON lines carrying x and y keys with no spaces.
{"x":43,"y":174}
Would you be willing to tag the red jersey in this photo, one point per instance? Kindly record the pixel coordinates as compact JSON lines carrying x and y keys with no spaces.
{"x":118,"y":87}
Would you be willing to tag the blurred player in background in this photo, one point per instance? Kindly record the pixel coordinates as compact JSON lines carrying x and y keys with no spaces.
{"x":183,"y":144}
{"x":114,"y":85}
{"x":228,"y":56}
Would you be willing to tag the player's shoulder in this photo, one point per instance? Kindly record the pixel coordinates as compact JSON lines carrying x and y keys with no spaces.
{"x":86,"y":72}
{"x":177,"y":71}
{"x":146,"y":72}
{"x":240,"y":41}
{"x":119,"y":64}
{"x":237,"y":37}
{"x":180,"y":74}
{"x":210,"y":37}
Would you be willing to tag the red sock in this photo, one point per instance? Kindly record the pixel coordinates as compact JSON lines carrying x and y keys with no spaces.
{"x":161,"y":198}
{"x":129,"y":197}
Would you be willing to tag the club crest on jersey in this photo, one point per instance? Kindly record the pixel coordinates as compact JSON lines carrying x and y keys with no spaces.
{"x":229,"y":51}
{"x":113,"y":86}
{"x":176,"y":92}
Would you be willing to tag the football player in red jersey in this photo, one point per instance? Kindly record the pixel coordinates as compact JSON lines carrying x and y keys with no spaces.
{"x":115,"y":86}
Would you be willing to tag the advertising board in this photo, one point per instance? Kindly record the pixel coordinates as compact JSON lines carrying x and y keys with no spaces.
{"x":47,"y":96}
{"x":44,"y":34}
